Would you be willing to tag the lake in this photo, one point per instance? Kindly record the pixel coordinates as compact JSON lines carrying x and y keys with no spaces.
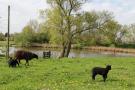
{"x":74,"y":53}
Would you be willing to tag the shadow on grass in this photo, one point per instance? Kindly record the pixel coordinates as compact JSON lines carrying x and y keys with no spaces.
{"x":107,"y":80}
{"x":20,"y":66}
{"x":110,"y":80}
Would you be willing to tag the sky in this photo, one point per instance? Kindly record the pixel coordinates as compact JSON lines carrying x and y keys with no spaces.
{"x":22,"y":11}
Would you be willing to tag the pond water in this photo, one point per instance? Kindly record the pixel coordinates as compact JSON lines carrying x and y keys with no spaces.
{"x":74,"y":53}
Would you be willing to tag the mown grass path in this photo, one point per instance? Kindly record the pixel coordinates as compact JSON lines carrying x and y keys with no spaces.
{"x":68,"y":74}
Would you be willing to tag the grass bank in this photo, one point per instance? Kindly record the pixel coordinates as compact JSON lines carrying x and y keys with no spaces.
{"x":68,"y":74}
{"x":4,"y":43}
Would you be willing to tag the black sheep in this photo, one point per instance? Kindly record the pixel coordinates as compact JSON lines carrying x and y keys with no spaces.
{"x":12,"y":62}
{"x":101,"y":71}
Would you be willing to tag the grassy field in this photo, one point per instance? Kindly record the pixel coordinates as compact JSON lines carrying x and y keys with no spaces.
{"x":68,"y":74}
{"x":4,"y":43}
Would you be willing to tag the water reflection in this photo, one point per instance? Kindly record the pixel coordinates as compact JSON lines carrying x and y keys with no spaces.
{"x":74,"y":53}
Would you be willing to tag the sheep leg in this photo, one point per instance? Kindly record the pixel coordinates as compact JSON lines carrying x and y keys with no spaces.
{"x":104,"y":77}
{"x":27,"y":62}
{"x":93,"y":76}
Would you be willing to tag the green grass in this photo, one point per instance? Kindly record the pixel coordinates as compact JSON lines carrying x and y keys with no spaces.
{"x":4,"y":43}
{"x":68,"y":74}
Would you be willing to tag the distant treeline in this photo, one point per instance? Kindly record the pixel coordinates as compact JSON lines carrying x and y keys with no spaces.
{"x":29,"y":36}
{"x":111,"y":34}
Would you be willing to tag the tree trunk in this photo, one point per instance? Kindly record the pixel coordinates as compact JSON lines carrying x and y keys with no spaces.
{"x":68,"y":49}
{"x":63,"y":51}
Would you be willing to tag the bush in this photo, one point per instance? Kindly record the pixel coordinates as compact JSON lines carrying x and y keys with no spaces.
{"x":126,"y":45}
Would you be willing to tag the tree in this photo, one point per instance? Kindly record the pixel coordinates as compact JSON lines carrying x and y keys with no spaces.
{"x":110,"y":33}
{"x":60,"y":19}
{"x":65,"y":19}
{"x":105,"y":35}
{"x":34,"y":24}
{"x":26,"y":37}
{"x":33,"y":32}
{"x":127,"y":34}
{"x":2,"y":37}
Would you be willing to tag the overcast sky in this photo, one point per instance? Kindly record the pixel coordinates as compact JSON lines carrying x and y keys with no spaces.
{"x":22,"y":11}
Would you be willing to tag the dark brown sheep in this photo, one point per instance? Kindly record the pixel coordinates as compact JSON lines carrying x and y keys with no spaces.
{"x":26,"y":55}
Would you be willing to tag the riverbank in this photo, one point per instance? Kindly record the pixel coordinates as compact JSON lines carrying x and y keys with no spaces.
{"x":68,"y":74}
{"x":91,"y":48}
{"x":113,"y":50}
{"x":110,"y":49}
{"x":4,"y":43}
